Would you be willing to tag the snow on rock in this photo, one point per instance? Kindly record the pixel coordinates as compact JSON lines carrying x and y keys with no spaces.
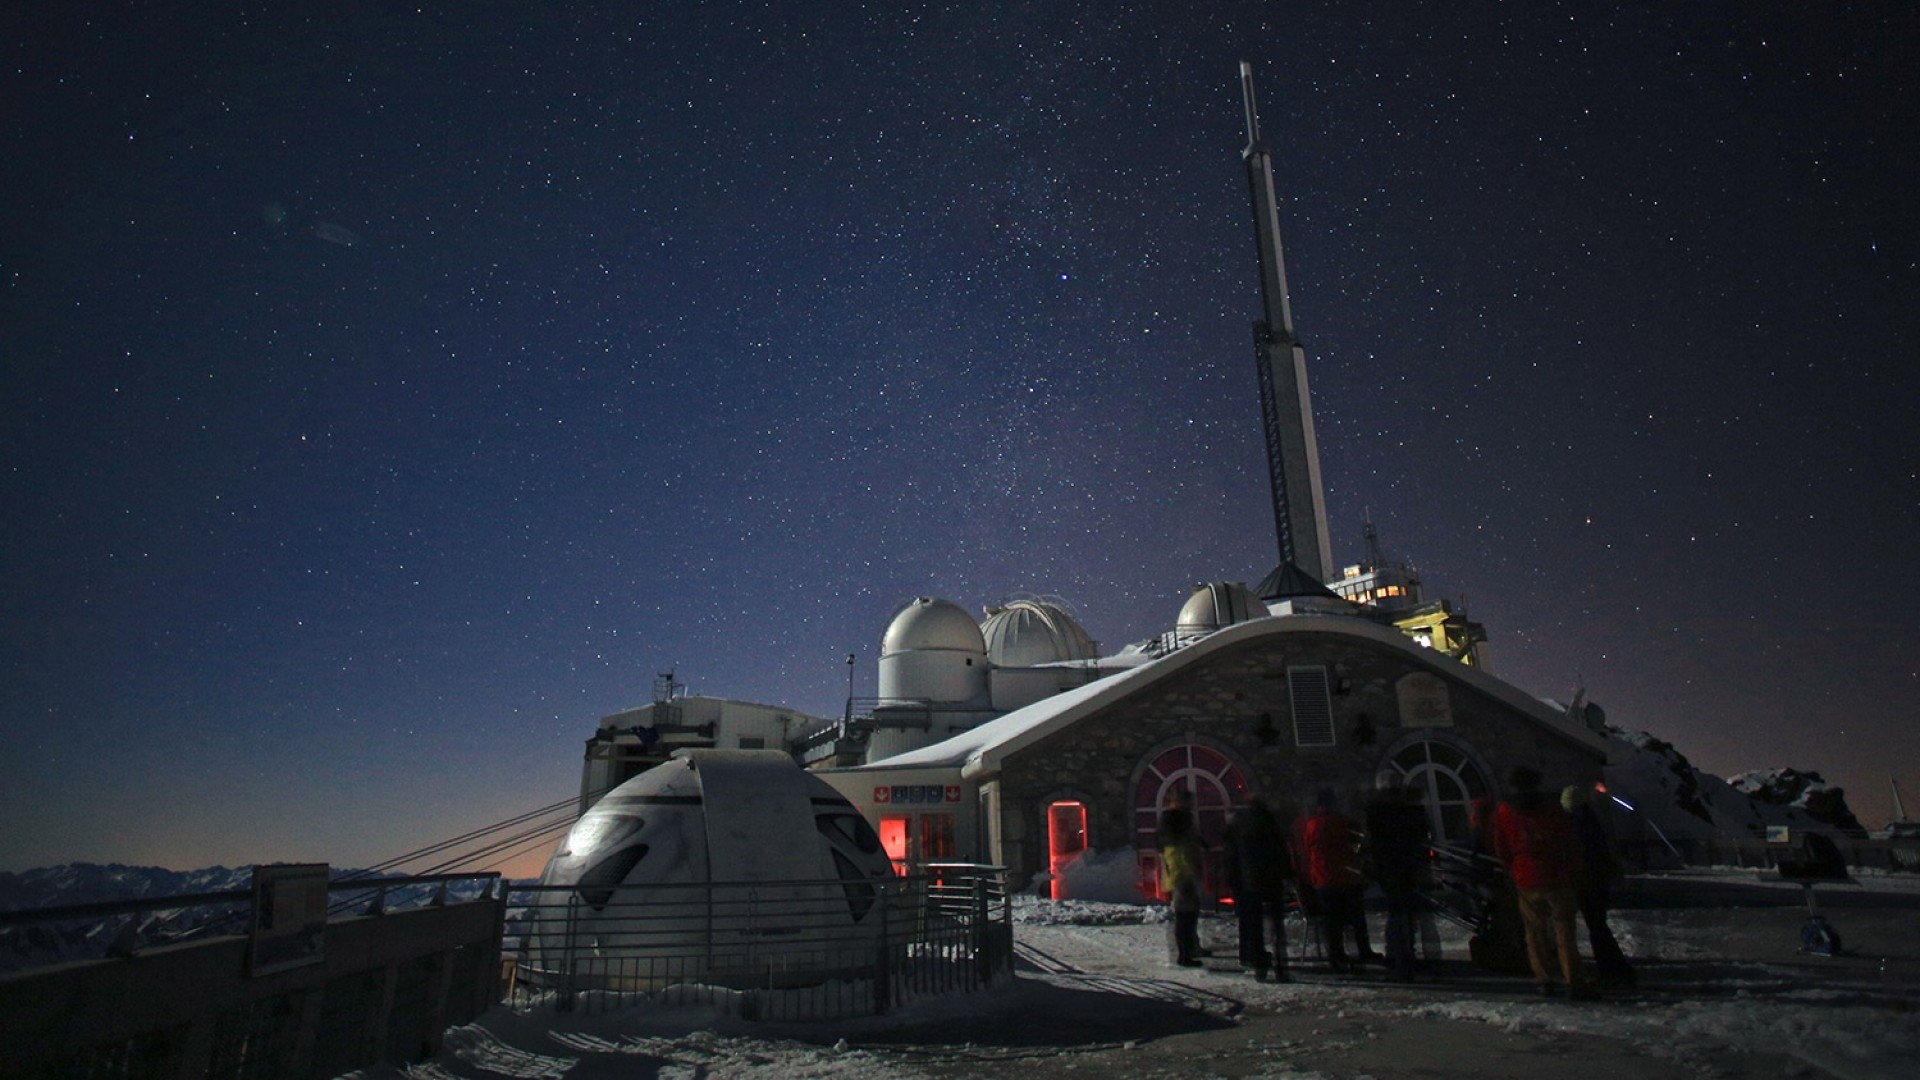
{"x":1681,"y":803}
{"x":89,"y":883}
{"x":1808,"y":791}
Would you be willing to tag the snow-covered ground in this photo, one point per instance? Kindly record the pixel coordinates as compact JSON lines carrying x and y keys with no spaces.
{"x":1724,"y":993}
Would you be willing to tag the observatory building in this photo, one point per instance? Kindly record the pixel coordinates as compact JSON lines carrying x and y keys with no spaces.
{"x":629,"y":742}
{"x":942,"y":673}
{"x":1280,"y":705}
{"x":1037,"y":759}
{"x":1012,"y":740}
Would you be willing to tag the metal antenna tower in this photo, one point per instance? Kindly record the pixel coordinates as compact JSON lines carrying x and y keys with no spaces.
{"x":1293,"y":454}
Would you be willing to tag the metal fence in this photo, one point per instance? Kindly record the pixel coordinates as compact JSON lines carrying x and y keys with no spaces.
{"x":785,"y":950}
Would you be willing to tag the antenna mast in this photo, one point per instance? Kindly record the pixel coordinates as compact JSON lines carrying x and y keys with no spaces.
{"x":1293,"y":454}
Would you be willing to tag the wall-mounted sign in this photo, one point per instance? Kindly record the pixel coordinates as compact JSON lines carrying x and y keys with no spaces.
{"x":289,"y":917}
{"x":1424,"y":700}
{"x":898,"y":794}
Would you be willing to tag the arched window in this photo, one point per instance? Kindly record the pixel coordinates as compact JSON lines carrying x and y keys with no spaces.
{"x":1447,"y":780}
{"x":1214,"y":782}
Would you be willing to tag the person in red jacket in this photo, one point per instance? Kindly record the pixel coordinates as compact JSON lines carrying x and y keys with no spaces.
{"x":1534,"y":840}
{"x":1333,"y":857}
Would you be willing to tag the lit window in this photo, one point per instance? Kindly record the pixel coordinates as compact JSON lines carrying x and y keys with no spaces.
{"x":936,"y":838}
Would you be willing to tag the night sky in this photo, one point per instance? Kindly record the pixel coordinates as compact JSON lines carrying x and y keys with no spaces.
{"x":386,"y":395}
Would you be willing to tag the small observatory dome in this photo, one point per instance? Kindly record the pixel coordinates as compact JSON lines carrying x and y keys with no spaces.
{"x":1029,"y":633}
{"x":933,"y":651}
{"x":1213,"y":606}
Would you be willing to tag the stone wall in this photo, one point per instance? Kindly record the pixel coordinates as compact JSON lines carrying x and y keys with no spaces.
{"x":1237,"y":702}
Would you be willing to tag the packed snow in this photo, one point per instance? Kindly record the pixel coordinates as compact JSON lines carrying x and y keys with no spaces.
{"x":1723,"y":992}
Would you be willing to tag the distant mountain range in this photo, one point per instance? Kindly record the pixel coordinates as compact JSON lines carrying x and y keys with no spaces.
{"x":92,"y":883}
{"x":36,"y":944}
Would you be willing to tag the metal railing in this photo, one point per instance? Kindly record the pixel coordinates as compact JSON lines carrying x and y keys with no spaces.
{"x":178,"y":996}
{"x":121,"y":928}
{"x":1892,"y":856}
{"x":783,"y":950}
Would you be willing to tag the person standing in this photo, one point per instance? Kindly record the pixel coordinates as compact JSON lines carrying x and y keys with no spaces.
{"x":1593,"y":879}
{"x":1397,"y":835}
{"x":1181,"y":857}
{"x":1257,"y":867}
{"x":1333,"y":855}
{"x":1499,"y":942}
{"x":1533,"y":838}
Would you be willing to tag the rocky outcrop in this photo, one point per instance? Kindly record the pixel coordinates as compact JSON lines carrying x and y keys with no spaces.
{"x":1824,"y":802}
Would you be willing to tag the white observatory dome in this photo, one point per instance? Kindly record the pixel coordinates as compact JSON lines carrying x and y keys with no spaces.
{"x":1029,"y":633}
{"x":929,"y":623}
{"x":1213,"y":606}
{"x":933,"y":651}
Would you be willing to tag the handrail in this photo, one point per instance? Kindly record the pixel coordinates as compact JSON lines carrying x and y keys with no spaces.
{"x":928,"y":872}
{"x":107,"y":908}
{"x":783,"y":949}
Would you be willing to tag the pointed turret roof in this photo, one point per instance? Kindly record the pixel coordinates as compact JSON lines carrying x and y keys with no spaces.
{"x":1288,"y":582}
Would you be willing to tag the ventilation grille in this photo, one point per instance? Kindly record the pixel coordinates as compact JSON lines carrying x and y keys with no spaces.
{"x":1312,"y":706}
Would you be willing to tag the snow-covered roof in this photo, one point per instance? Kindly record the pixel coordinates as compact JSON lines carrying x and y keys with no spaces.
{"x":979,"y":751}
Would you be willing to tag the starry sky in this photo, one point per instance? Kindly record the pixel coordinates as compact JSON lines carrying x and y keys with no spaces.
{"x":389,"y":391}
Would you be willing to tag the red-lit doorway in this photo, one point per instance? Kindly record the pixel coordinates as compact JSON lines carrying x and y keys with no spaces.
{"x":1066,"y":841}
{"x":896,"y":836}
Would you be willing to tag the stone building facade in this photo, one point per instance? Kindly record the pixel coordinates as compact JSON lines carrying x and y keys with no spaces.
{"x":1286,"y":707}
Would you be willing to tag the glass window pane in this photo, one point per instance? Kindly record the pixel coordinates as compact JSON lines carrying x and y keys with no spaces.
{"x":1475,"y":783}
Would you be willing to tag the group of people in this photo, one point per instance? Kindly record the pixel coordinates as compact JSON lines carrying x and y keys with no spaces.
{"x":1555,"y":859}
{"x":1556,"y":853}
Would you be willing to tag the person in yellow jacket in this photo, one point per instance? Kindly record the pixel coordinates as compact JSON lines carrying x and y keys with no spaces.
{"x":1181,"y":859}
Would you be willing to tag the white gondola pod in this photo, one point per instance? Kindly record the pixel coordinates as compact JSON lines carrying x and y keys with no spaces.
{"x":719,"y":865}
